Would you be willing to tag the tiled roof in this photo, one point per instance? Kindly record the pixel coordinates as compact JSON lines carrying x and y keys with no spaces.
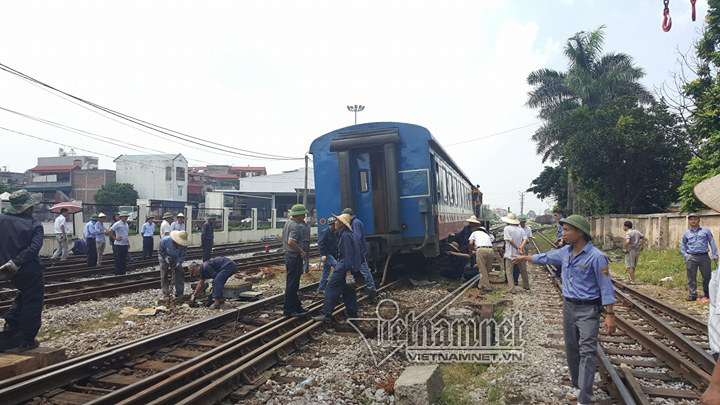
{"x":54,"y":169}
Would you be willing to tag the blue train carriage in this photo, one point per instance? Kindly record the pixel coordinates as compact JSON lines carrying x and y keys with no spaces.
{"x":400,"y":182}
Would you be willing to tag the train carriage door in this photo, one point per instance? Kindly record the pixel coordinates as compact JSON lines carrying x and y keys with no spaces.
{"x":367,"y":164}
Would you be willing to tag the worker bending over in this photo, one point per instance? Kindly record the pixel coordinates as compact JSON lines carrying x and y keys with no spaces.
{"x":219,"y":269}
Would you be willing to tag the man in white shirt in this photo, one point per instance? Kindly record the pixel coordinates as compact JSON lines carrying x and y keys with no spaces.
{"x":481,"y":240}
{"x":179,"y":224}
{"x":63,"y":249}
{"x":526,"y":228}
{"x":165,"y":226}
{"x":514,"y":237}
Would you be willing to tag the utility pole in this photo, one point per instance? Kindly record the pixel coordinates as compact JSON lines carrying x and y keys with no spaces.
{"x":355,"y":109}
{"x":306,"y":181}
{"x":522,"y":202}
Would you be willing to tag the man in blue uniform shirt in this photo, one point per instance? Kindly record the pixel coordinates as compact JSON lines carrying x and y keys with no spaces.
{"x":348,"y":260}
{"x":358,"y":231}
{"x":328,"y":252}
{"x":21,"y":237}
{"x":219,"y":269}
{"x":587,"y":288}
{"x":172,"y":252}
{"x":90,"y":237}
{"x":147,"y":231}
{"x":694,"y":248}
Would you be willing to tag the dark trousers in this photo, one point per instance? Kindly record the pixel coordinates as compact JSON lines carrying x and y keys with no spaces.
{"x":92,"y":252}
{"x":207,"y":250}
{"x":580,"y":329}
{"x":221,"y":278}
{"x":147,"y":247}
{"x":692,"y":264}
{"x":516,"y":274}
{"x":26,"y":309}
{"x":336,"y":287}
{"x":121,"y":253}
{"x":294,"y":266}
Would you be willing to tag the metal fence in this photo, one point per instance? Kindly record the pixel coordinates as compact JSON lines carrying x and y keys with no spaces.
{"x":238,"y":221}
{"x":199,"y":215}
{"x":110,"y":211}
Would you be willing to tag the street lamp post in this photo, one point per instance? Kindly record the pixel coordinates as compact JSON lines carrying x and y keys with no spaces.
{"x":355,"y":109}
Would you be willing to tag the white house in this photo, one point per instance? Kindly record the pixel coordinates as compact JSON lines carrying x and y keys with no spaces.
{"x":155,"y":177}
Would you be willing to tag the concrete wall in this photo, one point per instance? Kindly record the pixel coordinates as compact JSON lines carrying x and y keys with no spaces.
{"x":663,"y":231}
{"x":87,"y":182}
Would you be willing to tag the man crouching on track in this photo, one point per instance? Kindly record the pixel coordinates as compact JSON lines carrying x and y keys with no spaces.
{"x":219,"y":269}
{"x":172,"y":252}
{"x":21,"y":237}
{"x":349,"y":258}
{"x":586,"y":287}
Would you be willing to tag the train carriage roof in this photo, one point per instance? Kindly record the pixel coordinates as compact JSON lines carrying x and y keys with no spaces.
{"x":355,"y":130}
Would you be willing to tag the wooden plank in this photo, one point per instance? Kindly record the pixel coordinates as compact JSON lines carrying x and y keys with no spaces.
{"x":300,"y":363}
{"x":78,"y":398}
{"x":627,"y":352}
{"x":637,"y":363}
{"x":185,"y":354}
{"x":154,"y":365}
{"x":654,"y":376}
{"x":46,"y":356}
{"x":615,"y":339}
{"x":15,"y":364}
{"x":116,"y":380}
{"x":671,"y":393}
{"x":287,"y":379}
{"x":205,"y":343}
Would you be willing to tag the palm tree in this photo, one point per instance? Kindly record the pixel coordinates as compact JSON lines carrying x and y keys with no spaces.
{"x":591,"y":80}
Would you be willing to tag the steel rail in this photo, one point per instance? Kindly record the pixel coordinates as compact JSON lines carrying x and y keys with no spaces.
{"x":688,"y":319}
{"x":29,"y":385}
{"x":168,"y":385}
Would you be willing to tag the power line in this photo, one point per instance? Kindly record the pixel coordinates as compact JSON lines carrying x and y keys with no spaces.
{"x":495,"y":134}
{"x":172,"y":133}
{"x":75,"y":147}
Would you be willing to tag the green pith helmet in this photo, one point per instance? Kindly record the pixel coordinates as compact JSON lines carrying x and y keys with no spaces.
{"x":298,"y":209}
{"x":579,"y":222}
{"x":213,"y":216}
{"x":149,"y":216}
{"x":93,"y":217}
{"x":167,"y":215}
{"x":522,"y":218}
{"x":123,"y":214}
{"x":21,"y":200}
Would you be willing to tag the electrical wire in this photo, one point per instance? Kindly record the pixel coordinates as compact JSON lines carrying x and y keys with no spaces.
{"x":172,"y":133}
{"x":492,"y":135}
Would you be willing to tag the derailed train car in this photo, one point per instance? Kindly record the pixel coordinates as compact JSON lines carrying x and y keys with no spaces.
{"x":399,"y":181}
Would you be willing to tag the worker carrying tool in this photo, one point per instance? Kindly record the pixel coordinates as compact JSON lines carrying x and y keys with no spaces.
{"x":219,"y":269}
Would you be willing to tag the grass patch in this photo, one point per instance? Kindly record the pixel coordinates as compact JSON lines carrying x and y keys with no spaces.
{"x":106,"y":320}
{"x":462,"y":378}
{"x":654,"y":265}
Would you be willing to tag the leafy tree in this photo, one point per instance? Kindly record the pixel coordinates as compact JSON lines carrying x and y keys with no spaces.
{"x":531,"y":214}
{"x":626,"y":156}
{"x":4,"y":187}
{"x":705,"y":94}
{"x":116,"y":194}
{"x":591,"y":80}
{"x":551,"y":183}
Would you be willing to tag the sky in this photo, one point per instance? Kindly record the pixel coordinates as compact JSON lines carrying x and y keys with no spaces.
{"x":271,"y":76}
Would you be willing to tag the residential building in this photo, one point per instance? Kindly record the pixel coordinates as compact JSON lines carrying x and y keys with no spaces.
{"x":13,"y":179}
{"x":283,"y":190}
{"x":155,"y":177}
{"x":217,"y":177}
{"x":68,"y":177}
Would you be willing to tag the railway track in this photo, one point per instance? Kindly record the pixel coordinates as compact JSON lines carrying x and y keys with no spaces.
{"x":74,"y":291}
{"x":657,"y":353}
{"x":64,"y":272}
{"x":198,"y":363}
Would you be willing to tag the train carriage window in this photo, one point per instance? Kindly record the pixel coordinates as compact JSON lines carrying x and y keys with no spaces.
{"x":437,"y":183}
{"x":363,"y":182}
